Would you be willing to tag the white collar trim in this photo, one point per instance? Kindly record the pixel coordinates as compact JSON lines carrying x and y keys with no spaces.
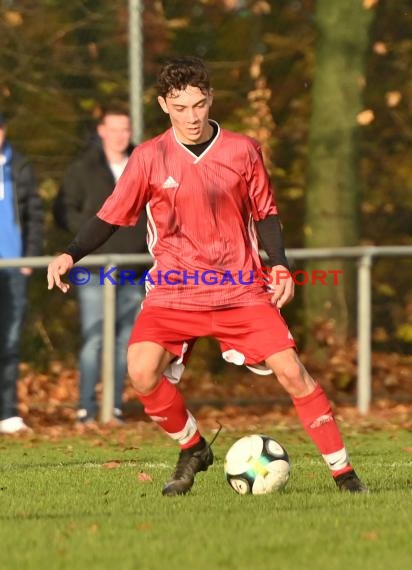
{"x":198,"y":158}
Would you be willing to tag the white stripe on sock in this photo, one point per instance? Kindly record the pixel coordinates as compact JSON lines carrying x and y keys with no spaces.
{"x":337,"y":460}
{"x":184,"y":435}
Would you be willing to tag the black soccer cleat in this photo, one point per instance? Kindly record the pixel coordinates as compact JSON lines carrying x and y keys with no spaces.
{"x":190,"y":462}
{"x":350,"y":483}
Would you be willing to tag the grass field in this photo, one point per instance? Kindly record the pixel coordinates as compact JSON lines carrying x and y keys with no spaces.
{"x":85,"y":503}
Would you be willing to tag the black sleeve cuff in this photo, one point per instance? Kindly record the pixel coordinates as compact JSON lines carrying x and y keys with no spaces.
{"x":92,"y":235}
{"x":270,"y":234}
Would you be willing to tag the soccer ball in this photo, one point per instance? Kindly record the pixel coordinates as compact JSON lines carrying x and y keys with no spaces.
{"x":257,"y":464}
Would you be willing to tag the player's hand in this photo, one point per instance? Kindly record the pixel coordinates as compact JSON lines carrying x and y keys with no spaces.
{"x":282,"y":287}
{"x":58,"y":267}
{"x":27,"y":271}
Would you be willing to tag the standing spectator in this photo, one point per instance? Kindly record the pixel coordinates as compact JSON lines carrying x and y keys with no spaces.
{"x":89,"y":180}
{"x":21,"y":218}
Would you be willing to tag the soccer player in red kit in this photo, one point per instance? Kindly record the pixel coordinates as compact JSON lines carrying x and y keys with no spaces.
{"x":207,"y":196}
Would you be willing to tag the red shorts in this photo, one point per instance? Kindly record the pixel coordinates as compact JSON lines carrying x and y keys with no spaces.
{"x":247,"y":335}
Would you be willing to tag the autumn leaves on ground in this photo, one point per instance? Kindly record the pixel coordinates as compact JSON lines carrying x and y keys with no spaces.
{"x":239,"y":401}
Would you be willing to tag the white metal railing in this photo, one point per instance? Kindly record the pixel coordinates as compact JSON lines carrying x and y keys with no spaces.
{"x":364,"y":254}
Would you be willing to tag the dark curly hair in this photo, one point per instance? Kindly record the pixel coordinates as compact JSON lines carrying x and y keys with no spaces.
{"x":179,"y":72}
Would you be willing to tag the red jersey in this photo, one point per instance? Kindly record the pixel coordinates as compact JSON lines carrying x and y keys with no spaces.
{"x":201,"y":212}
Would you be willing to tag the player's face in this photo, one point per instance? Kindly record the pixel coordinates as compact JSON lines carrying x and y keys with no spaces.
{"x":115,"y":133}
{"x":189,"y":113}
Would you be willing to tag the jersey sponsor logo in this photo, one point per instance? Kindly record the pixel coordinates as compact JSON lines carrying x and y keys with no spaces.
{"x":170,"y":182}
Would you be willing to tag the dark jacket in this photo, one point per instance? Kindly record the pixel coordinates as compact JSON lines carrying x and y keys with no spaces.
{"x":29,"y":207}
{"x":87,"y":183}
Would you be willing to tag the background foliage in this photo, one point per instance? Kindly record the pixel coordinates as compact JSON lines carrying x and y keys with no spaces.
{"x":60,"y":62}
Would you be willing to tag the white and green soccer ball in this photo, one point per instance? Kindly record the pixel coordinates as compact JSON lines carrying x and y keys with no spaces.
{"x":257,"y":464}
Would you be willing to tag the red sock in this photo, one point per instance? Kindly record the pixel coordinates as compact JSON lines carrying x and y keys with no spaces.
{"x":165,"y":406}
{"x":316,"y":415}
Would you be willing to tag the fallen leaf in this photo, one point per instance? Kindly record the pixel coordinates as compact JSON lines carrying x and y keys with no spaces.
{"x":393,"y":98}
{"x":370,"y":535}
{"x":13,"y":18}
{"x":368,"y":4}
{"x":380,"y":48}
{"x":144,"y":477}
{"x":111,"y":464}
{"x":365,"y":117}
{"x":144,"y":526}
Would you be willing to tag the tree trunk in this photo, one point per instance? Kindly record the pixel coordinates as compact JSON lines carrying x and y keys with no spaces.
{"x":332,"y":189}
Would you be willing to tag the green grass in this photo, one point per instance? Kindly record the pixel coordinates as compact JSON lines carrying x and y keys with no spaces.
{"x":60,"y":508}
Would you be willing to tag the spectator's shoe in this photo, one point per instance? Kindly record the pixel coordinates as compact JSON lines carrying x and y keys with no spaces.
{"x":13,"y":425}
{"x":84,"y":417}
{"x":191,"y":461}
{"x":349,"y":482}
{"x":118,"y":418}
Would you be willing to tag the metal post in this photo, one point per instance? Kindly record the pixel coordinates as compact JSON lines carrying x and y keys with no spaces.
{"x":136,"y":68}
{"x":108,"y":348}
{"x":364,"y":385}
